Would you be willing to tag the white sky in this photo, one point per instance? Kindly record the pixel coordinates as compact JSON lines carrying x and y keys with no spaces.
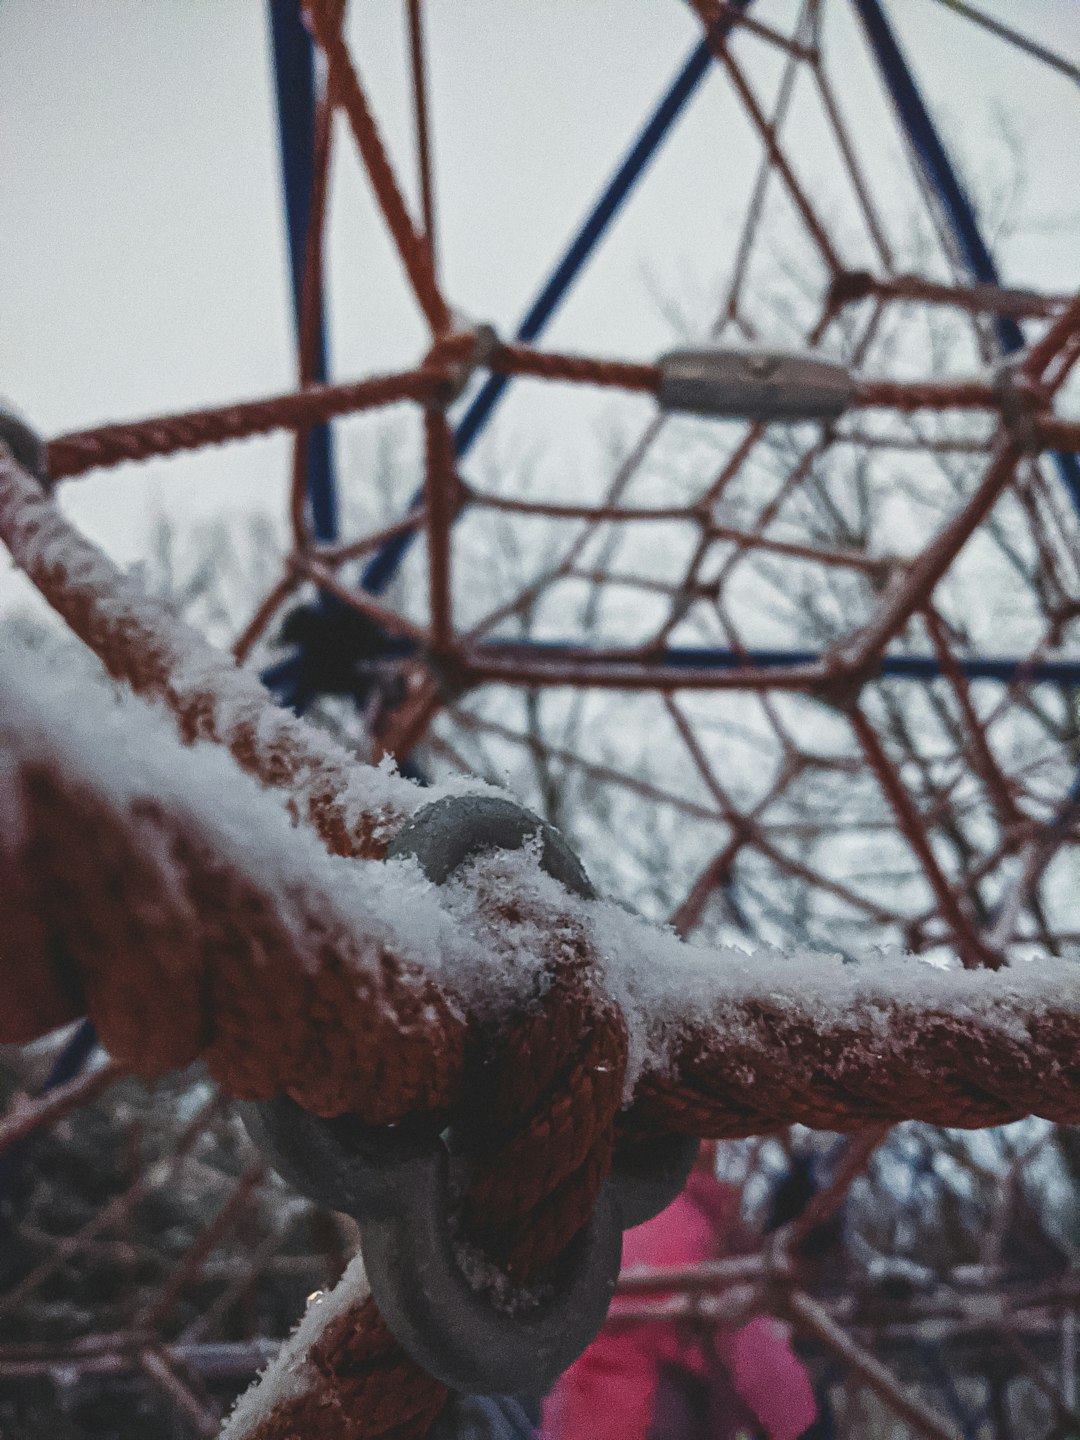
{"x":141,"y":223}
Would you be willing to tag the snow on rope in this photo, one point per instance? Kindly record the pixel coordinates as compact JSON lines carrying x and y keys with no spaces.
{"x":721,"y":1041}
{"x":206,"y":884}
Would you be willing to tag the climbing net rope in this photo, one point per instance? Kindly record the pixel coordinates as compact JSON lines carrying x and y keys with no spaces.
{"x":798,"y":527}
{"x":132,"y":903}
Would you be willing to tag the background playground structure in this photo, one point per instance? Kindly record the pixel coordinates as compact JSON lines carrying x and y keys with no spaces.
{"x":819,"y":679}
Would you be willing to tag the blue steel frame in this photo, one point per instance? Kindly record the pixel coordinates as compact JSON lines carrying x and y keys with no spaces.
{"x":294,"y":71}
{"x":945,"y":183}
{"x":294,"y":78}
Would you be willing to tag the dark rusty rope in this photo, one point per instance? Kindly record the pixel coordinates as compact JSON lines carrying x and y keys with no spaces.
{"x":120,"y":623}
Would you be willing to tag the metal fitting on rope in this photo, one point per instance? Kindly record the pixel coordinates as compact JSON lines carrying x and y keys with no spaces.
{"x":25,"y":444}
{"x":754,"y":385}
{"x":339,"y":1163}
{"x":646,"y":1176}
{"x":485,"y":342}
{"x":649,"y":1175}
{"x":396,"y":1182}
{"x":850,"y":286}
{"x":459,"y":1334}
{"x":396,"y":1185}
{"x":443,"y":836}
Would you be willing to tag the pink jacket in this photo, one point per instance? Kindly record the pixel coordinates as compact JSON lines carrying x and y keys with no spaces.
{"x":610,"y":1392}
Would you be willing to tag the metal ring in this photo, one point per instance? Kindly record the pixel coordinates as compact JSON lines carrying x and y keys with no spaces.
{"x":338,"y":1163}
{"x":444,"y":835}
{"x":457,"y":1334}
{"x":646,"y":1177}
{"x":396,"y":1182}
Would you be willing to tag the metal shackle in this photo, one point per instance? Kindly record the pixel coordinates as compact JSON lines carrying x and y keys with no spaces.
{"x":458,"y":1333}
{"x":396,"y":1181}
{"x":337,"y":1163}
{"x":645,"y":1177}
{"x":445,"y":835}
{"x":396,"y":1185}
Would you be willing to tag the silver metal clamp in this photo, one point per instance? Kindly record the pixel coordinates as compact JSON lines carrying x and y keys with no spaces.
{"x":754,"y":385}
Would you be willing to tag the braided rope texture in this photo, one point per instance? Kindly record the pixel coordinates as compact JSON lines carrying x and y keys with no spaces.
{"x":124,"y":911}
{"x":174,"y":953}
{"x":113,"y":883}
{"x":75,"y":454}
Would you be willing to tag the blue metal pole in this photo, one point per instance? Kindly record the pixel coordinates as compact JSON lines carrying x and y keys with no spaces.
{"x":383,"y":566}
{"x":1005,"y":669}
{"x":294,"y":75}
{"x":945,"y":183}
{"x":1002,"y":668}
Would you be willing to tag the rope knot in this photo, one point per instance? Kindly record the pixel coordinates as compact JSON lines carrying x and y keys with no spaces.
{"x":849,"y":286}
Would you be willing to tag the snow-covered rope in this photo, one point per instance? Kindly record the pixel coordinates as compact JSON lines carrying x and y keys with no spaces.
{"x":173,"y":897}
{"x":355,"y":810}
{"x":102,"y":804}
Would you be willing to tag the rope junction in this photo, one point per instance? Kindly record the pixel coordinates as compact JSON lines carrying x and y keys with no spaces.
{"x":138,"y":914}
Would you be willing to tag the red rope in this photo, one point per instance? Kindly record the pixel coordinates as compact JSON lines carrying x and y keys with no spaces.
{"x":80,"y":451}
{"x":855,"y":285}
{"x":420,"y":109}
{"x":521,"y":360}
{"x":172,"y":977}
{"x":200,"y":966}
{"x":907,"y":396}
{"x":347,"y":91}
{"x":1064,"y":329}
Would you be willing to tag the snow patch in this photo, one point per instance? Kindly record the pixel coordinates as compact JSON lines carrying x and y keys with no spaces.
{"x":290,"y":1373}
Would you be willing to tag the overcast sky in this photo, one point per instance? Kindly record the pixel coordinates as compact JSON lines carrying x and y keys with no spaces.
{"x":141,"y":224}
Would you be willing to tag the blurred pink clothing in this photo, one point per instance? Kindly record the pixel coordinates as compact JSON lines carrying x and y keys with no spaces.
{"x":610,"y":1392}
